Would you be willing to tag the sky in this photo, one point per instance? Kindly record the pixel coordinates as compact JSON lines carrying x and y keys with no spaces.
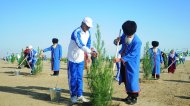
{"x":36,"y":22}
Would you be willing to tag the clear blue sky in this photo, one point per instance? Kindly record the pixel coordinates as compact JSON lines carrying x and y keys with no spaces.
{"x":36,"y":22}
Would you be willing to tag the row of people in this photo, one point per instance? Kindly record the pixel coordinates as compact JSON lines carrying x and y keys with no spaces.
{"x":129,"y":59}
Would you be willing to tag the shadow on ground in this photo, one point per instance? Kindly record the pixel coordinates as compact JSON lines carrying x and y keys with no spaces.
{"x":29,"y":91}
{"x":10,"y":67}
{"x":183,"y":97}
{"x":12,"y":73}
{"x":178,"y":81}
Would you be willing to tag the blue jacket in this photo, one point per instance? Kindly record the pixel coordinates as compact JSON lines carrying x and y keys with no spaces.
{"x":130,"y":56}
{"x":80,"y":42}
{"x":32,"y":56}
{"x":156,"y":60}
{"x":56,"y":55}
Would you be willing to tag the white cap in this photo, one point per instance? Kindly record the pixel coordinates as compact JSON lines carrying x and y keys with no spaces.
{"x":88,"y":21}
{"x":30,"y":46}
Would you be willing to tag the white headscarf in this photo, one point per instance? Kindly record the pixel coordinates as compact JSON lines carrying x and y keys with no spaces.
{"x":172,"y":53}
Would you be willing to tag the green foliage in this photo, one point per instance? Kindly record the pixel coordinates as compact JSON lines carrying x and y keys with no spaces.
{"x":165,"y":59}
{"x":99,"y":44}
{"x":13,"y":58}
{"x":100,"y":76}
{"x":147,"y":66}
{"x":64,"y":60}
{"x":39,"y":63}
{"x":22,"y":58}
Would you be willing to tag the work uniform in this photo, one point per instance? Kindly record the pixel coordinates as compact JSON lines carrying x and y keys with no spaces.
{"x":56,"y":55}
{"x":80,"y":42}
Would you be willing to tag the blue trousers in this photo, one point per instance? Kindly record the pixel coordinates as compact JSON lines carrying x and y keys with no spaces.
{"x":75,"y":75}
{"x":32,"y":65}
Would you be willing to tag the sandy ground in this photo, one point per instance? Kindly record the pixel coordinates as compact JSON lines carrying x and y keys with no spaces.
{"x":26,"y":90}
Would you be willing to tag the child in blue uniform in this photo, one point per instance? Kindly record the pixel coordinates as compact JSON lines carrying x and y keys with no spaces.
{"x":56,"y":55}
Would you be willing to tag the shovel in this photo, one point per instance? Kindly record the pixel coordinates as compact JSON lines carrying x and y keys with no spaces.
{"x":117,"y":48}
{"x":169,"y":66}
{"x":19,"y":67}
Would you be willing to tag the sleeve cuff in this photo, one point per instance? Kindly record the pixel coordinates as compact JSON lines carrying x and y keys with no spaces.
{"x":85,"y":49}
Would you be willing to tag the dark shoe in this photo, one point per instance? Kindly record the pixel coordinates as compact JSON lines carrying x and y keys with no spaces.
{"x":131,"y":101}
{"x":31,"y":73}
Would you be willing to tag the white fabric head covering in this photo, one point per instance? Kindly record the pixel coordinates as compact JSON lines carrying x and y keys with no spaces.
{"x":30,"y":47}
{"x":88,"y":21}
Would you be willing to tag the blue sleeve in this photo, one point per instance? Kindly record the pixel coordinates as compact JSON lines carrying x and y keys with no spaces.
{"x":161,"y":58}
{"x":134,"y":52}
{"x":60,"y":51}
{"x":47,"y":49}
{"x":77,"y":39}
{"x":89,"y":42}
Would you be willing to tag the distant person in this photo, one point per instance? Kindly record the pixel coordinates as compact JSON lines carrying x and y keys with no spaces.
{"x":44,"y":57}
{"x":26,"y":51}
{"x":80,"y":44}
{"x":156,"y":59}
{"x":56,"y":55}
{"x":165,"y":59}
{"x":172,"y":61}
{"x":130,"y":61}
{"x":181,"y":58}
{"x":18,"y":57}
{"x":32,"y":58}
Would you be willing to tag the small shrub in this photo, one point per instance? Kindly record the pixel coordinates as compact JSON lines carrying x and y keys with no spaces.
{"x":13,"y":58}
{"x":146,"y":61}
{"x":22,"y":58}
{"x":39,"y":64}
{"x":64,"y":60}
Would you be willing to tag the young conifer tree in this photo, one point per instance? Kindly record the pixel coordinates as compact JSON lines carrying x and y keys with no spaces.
{"x":100,"y":75}
{"x":39,"y":64}
{"x":147,"y":65}
{"x":21,"y":57}
{"x":13,"y":58}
